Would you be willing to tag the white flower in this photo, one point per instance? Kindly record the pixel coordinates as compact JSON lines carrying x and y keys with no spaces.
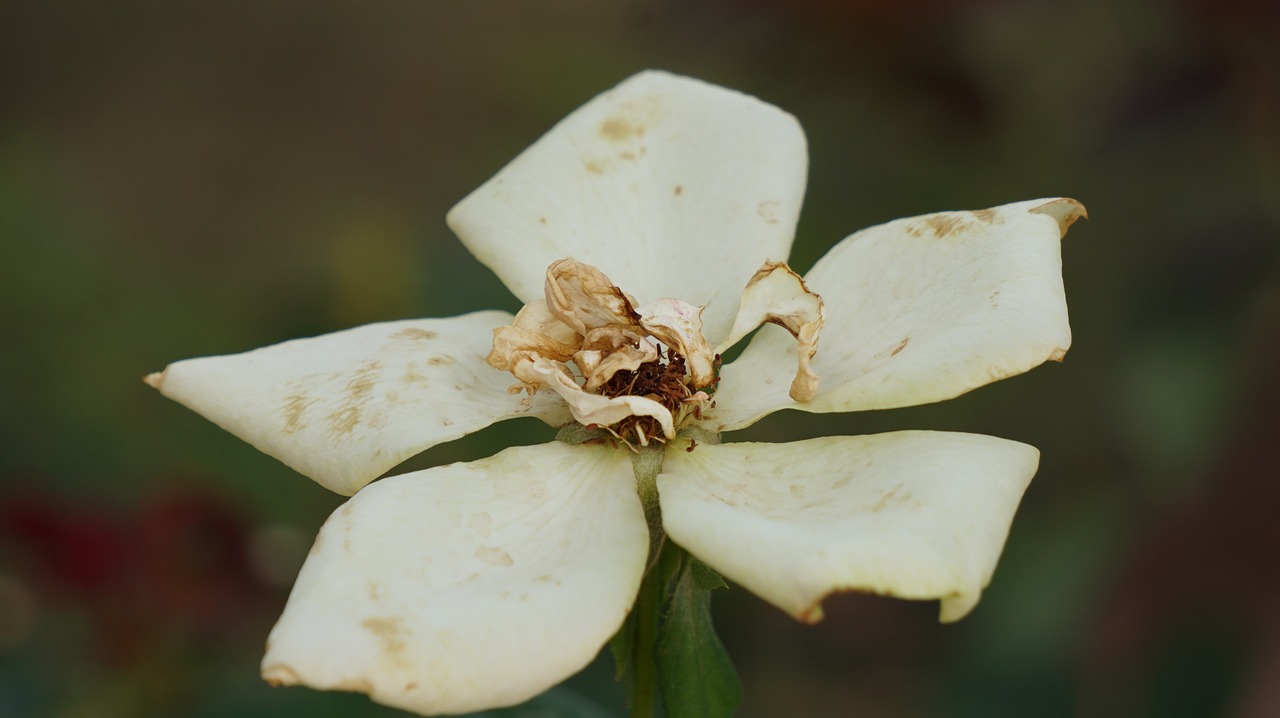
{"x":481,"y":584}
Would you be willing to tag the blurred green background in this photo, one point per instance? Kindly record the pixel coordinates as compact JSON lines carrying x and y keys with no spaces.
{"x":179,"y":179}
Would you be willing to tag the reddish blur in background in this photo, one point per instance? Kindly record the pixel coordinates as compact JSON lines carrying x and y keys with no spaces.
{"x":179,"y":179}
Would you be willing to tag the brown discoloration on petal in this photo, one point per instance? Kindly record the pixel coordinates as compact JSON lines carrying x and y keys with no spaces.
{"x":901,"y":345}
{"x":389,"y":632}
{"x":583,"y":298}
{"x":777,"y":295}
{"x":594,"y":166}
{"x":411,"y":374}
{"x":620,"y":129}
{"x":493,"y":556}
{"x":944,"y":224}
{"x":987,"y":216}
{"x":891,"y":497}
{"x":359,"y":390}
{"x":155,"y":379}
{"x":1065,"y":211}
{"x":294,"y":407}
{"x":411,"y":686}
{"x":768,"y":211}
{"x":414,"y":333}
{"x":442,"y":360}
{"x":1058,"y":354}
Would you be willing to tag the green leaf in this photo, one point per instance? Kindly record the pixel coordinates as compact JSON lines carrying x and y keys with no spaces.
{"x":694,"y":671}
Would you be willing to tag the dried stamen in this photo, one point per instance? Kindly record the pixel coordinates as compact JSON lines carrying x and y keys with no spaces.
{"x":666,"y":381}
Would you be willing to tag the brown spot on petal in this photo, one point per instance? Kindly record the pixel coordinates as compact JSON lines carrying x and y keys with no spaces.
{"x":410,"y":686}
{"x":944,"y":224}
{"x":493,"y":555}
{"x":414,"y":333}
{"x":594,"y":167}
{"x":294,"y":407}
{"x":768,"y":211}
{"x":901,"y":345}
{"x":359,"y":390}
{"x":679,"y":190}
{"x":891,"y":497}
{"x":620,"y":129}
{"x":442,"y":360}
{"x":389,"y":632}
{"x":986,"y":216}
{"x":411,"y":374}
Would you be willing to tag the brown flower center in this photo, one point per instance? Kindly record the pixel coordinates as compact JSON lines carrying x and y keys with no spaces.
{"x":666,"y":381}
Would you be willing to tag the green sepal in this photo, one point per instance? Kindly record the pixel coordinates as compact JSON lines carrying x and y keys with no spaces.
{"x":694,"y":671}
{"x":705,"y":576}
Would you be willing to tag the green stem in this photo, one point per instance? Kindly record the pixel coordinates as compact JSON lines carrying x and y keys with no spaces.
{"x":644,"y":676}
{"x":647,"y":464}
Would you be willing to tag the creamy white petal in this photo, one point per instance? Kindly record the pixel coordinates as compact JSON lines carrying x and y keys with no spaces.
{"x":468,"y":586}
{"x":343,"y":408}
{"x":671,"y":186}
{"x":913,"y":514}
{"x":536,"y":316}
{"x":919,"y":310}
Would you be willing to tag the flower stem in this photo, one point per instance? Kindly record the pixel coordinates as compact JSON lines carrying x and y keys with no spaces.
{"x":644,"y":676}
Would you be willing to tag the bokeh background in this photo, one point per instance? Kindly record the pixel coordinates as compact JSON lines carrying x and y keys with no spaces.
{"x":179,"y":179}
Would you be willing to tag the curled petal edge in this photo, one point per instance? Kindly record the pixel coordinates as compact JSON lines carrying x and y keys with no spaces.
{"x":777,"y":295}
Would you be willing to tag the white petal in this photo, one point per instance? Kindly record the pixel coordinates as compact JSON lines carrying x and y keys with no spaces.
{"x":343,"y":408}
{"x":468,"y":586}
{"x":671,"y":186}
{"x":920,"y":310}
{"x":912,"y":514}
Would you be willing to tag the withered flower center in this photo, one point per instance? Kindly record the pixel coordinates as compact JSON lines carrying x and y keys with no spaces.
{"x":665,"y":380}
